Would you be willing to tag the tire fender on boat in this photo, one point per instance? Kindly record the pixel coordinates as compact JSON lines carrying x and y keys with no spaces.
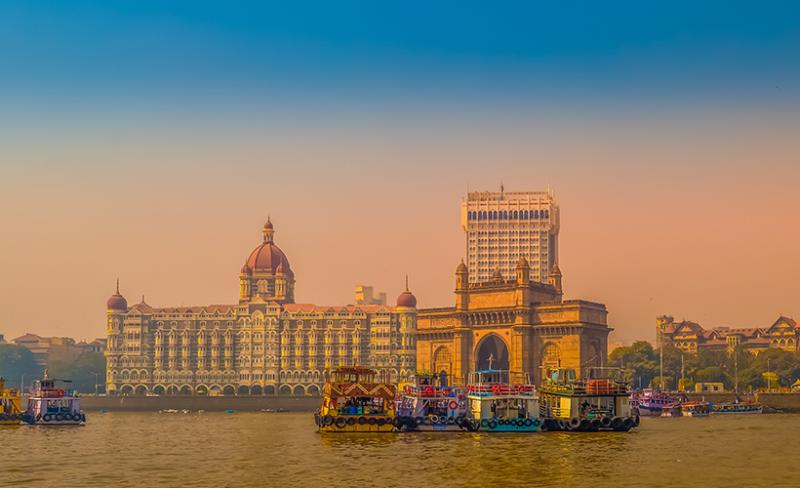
{"x":47,"y":417}
{"x":492,"y":424}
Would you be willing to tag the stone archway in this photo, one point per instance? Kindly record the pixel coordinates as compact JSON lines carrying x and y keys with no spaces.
{"x":186,"y":390}
{"x":140,"y":390}
{"x":202,"y":390}
{"x":313,"y":390}
{"x":442,"y":363}
{"x":256,"y":390}
{"x":159,"y":390}
{"x":299,"y":390}
{"x":229,"y":390}
{"x":126,"y":390}
{"x":285,"y":390}
{"x":172,"y":390}
{"x":491,"y":346}
{"x":243,"y":390}
{"x":269,"y":390}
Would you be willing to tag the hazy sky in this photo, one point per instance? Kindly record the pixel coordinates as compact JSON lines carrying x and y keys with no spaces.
{"x":150,"y":142}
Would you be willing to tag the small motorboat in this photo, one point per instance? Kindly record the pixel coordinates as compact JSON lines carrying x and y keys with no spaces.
{"x":49,"y":405}
{"x":696,"y":409}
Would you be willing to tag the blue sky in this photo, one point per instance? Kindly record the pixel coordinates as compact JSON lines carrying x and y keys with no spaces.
{"x":406,"y":52}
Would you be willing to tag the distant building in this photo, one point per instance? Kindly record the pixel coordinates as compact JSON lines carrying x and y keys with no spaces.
{"x":365,"y":296}
{"x":689,"y":336}
{"x":264,"y":344}
{"x":518,"y":325}
{"x":502,"y":227}
{"x":45,"y":348}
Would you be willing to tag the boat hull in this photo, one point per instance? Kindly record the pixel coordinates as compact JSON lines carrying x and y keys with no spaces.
{"x":346,"y":423}
{"x":510,"y":425}
{"x":616,"y":424}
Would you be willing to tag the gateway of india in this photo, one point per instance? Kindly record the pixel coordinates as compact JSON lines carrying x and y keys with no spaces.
{"x":512,"y":316}
{"x":266,"y":344}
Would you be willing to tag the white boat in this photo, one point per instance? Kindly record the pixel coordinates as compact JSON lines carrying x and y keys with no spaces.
{"x":49,"y":405}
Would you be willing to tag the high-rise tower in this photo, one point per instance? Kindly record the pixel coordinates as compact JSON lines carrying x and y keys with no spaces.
{"x":502,"y":227}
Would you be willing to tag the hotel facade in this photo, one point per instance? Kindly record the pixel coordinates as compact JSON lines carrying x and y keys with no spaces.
{"x":502,"y":227}
{"x":264,"y":344}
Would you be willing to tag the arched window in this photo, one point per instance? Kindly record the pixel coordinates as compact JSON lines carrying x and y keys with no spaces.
{"x":524,"y":215}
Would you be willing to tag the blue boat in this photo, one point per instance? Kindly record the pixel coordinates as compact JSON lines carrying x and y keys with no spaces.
{"x":502,"y":401}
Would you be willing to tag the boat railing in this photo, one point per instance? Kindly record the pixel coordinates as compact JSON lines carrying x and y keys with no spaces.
{"x":430,"y":391}
{"x":586,"y":387}
{"x":501,"y":389}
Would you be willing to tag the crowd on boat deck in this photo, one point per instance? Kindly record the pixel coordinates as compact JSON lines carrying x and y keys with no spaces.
{"x":361,"y":406}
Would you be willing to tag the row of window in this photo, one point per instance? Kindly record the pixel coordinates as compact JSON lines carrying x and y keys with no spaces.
{"x":508,"y":214}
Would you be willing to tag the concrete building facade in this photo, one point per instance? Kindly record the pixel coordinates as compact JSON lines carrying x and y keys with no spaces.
{"x":502,"y":227}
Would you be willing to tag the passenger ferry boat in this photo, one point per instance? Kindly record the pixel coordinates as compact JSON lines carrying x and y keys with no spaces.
{"x":696,"y":409}
{"x":600,"y":402}
{"x":652,"y":402}
{"x":10,"y":402}
{"x":501,"y":401}
{"x":354,"y":401}
{"x":423,"y":405}
{"x":740,"y":408}
{"x":48,"y":405}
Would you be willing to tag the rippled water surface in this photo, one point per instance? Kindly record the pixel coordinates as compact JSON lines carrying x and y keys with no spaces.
{"x":283,"y":449}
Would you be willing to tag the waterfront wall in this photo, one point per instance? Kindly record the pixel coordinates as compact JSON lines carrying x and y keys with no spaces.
{"x":781,"y":402}
{"x":210,"y":404}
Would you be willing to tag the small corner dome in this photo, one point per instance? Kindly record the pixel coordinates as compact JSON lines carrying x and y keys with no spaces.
{"x":407,"y":299}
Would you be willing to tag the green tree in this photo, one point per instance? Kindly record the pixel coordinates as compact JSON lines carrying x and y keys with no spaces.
{"x":83,"y":371}
{"x":16,"y":362}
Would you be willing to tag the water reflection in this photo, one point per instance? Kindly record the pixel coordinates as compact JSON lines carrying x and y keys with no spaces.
{"x":267,"y":449}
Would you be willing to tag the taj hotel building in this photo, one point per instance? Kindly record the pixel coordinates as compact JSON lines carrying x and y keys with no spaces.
{"x":264,"y":344}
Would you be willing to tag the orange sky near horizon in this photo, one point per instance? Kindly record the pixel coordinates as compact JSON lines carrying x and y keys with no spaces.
{"x":683,"y":215}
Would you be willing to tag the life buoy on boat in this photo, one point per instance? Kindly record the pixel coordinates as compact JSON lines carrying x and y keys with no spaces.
{"x":484,"y":423}
{"x":616,"y":423}
{"x":453,"y":405}
{"x":351,"y":421}
{"x":451,"y":420}
{"x":434,"y":419}
{"x":68,"y":416}
{"x":59,"y":417}
{"x":574,"y":422}
{"x":372,"y":421}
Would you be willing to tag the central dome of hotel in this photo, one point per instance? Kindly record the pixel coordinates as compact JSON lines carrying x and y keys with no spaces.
{"x":267,"y":257}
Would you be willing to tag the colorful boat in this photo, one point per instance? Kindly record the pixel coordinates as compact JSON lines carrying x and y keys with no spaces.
{"x":737,"y":408}
{"x":696,"y":409}
{"x":354,"y":401}
{"x":673,"y":410}
{"x":598,"y":402}
{"x":49,"y":405}
{"x":652,"y":402}
{"x":501,"y":401}
{"x":423,"y":405}
{"x":10,"y":404}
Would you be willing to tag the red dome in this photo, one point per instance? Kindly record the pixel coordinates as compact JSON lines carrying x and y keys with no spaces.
{"x":117,"y":302}
{"x":407,"y":299}
{"x":266,"y":258}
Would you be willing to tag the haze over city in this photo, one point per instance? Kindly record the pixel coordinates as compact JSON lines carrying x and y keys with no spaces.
{"x":675,"y":163}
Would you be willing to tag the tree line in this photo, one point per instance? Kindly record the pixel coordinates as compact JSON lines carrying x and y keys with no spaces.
{"x":736,"y":369}
{"x":17,"y":362}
